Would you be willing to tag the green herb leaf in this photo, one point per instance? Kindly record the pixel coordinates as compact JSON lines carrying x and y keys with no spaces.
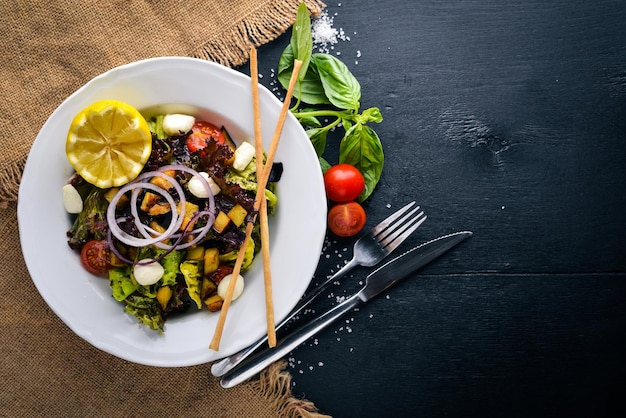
{"x":309,"y":89}
{"x":318,"y":139}
{"x":340,"y":86}
{"x":301,"y":39}
{"x":324,"y":164}
{"x":346,"y":122}
{"x":370,"y":115}
{"x":362,"y":148}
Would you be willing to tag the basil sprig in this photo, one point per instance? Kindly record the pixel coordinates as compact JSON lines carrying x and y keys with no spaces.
{"x":327,"y":90}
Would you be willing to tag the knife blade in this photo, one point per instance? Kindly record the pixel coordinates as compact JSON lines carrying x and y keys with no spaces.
{"x":376,"y":282}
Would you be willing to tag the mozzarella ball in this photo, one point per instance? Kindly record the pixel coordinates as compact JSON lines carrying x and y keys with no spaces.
{"x":148,"y":272}
{"x":72,"y":201}
{"x":222,"y":288}
{"x":243,"y":155}
{"x":196,"y":186}
{"x":175,"y":124}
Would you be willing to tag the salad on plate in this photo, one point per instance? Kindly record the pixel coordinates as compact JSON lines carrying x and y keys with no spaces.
{"x":160,"y":206}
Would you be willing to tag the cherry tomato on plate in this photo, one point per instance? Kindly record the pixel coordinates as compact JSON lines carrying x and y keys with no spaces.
{"x":95,"y":257}
{"x":343,"y":183}
{"x":201,"y":132}
{"x":346,"y":219}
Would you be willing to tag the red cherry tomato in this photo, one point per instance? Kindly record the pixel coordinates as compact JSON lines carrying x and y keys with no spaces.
{"x":343,"y":183}
{"x":346,"y":219}
{"x":201,"y":132}
{"x":95,"y":257}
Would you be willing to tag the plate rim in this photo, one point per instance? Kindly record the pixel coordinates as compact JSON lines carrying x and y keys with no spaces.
{"x":28,"y":169}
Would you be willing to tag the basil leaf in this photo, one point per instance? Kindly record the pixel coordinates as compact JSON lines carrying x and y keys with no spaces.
{"x":301,"y":39}
{"x":346,"y":122}
{"x":324,"y":164}
{"x":362,"y":148}
{"x":370,"y":115}
{"x":318,"y":139}
{"x":309,"y":89}
{"x":340,"y":86}
{"x":311,"y":121}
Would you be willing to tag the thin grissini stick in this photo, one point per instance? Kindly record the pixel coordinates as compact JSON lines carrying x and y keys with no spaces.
{"x":219,"y":328}
{"x":265,"y":241}
{"x":267,"y":274}
{"x":262,"y":179}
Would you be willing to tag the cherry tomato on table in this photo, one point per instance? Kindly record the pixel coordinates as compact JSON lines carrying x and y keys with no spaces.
{"x":201,"y":132}
{"x":96,"y":257}
{"x":346,"y":219}
{"x":343,"y":183}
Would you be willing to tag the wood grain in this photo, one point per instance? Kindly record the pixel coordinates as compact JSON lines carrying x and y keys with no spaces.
{"x":508,"y":119}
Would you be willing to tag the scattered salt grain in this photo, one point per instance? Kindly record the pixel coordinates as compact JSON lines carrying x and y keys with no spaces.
{"x":325,"y":36}
{"x":320,"y":363}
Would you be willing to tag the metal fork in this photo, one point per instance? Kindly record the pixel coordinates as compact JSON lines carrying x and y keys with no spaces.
{"x":368,"y":251}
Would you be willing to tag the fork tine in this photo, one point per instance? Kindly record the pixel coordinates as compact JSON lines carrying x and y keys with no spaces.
{"x":389,"y":220}
{"x":397,"y":224}
{"x":390,"y":243}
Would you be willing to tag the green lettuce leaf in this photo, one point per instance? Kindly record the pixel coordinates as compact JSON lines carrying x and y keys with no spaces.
{"x":121,"y":283}
{"x":171,"y":263}
{"x":193,"y":279}
{"x":146,"y":310}
{"x":248,"y":257}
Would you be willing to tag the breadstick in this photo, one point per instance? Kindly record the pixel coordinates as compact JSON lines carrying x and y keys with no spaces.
{"x":262,"y":179}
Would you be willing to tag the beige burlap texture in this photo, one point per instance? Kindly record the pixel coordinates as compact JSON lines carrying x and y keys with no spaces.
{"x":51,"y":48}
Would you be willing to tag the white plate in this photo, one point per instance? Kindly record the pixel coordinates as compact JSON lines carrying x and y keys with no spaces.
{"x":84,"y":302}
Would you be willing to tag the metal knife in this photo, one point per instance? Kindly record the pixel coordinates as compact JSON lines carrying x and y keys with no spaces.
{"x":377,"y":282}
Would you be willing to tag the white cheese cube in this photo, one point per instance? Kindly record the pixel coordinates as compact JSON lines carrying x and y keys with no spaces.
{"x":175,"y":124}
{"x":243,"y":155}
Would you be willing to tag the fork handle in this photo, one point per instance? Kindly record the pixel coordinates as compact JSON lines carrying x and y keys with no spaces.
{"x":219,"y":368}
{"x":270,"y":355}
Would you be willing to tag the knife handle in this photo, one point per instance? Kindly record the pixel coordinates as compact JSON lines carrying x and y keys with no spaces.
{"x":268,"y":356}
{"x":221,"y":367}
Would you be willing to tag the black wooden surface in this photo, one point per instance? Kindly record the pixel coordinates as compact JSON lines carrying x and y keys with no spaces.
{"x":507,"y":118}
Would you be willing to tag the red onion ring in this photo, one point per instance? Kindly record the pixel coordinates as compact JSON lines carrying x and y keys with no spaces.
{"x":149,"y":235}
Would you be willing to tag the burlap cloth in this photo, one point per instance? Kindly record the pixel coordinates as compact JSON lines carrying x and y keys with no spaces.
{"x":49,"y":49}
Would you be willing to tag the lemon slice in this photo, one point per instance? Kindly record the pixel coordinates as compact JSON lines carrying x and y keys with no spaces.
{"x":108,"y":143}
